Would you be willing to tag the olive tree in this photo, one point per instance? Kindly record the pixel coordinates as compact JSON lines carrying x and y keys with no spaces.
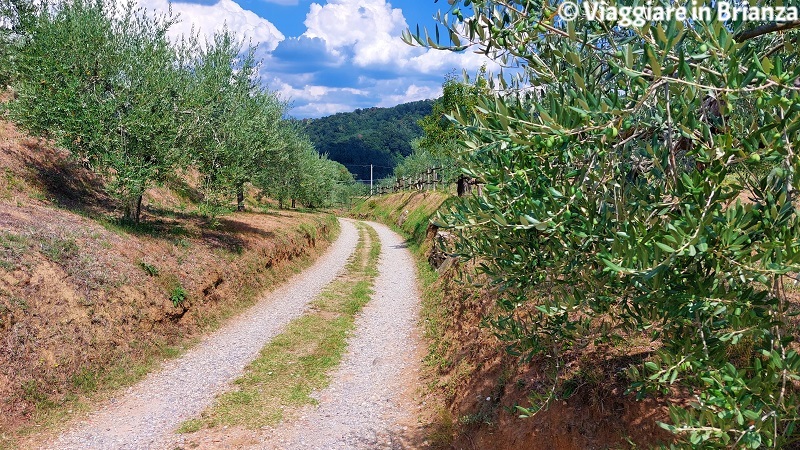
{"x":106,"y":84}
{"x":614,"y":204}
{"x":15,"y":17}
{"x":237,"y":128}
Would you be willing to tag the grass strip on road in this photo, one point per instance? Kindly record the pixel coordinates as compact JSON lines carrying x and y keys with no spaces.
{"x":297,"y":362}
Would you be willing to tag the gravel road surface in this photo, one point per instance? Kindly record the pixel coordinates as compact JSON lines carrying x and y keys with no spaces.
{"x":369,"y":403}
{"x":149,"y":411}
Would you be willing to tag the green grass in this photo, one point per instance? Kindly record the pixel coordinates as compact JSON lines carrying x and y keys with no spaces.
{"x":149,"y":269}
{"x":177,"y":295}
{"x":12,"y":247}
{"x":59,"y":249}
{"x":297,"y":362}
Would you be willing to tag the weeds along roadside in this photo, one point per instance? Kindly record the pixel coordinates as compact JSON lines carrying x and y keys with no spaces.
{"x":298,"y":361}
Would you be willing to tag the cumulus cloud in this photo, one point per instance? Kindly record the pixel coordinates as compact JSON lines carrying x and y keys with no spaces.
{"x":207,"y":18}
{"x":313,"y":100}
{"x":349,"y":56}
{"x":439,"y":61}
{"x":369,"y":29}
{"x":412,"y":93}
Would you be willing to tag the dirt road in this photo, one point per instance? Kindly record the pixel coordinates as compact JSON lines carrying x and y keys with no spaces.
{"x":153,"y":408}
{"x":369,"y":403}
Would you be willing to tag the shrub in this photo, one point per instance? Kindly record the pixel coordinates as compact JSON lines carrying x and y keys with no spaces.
{"x":177,"y":295}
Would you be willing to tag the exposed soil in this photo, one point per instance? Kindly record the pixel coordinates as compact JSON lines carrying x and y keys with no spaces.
{"x":87,"y":304}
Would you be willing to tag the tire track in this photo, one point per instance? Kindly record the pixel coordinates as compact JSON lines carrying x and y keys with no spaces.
{"x":369,"y":403}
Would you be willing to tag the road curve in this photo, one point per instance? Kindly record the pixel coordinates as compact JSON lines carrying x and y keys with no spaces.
{"x":149,"y":411}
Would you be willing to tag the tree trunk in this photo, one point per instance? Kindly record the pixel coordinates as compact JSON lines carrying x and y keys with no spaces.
{"x":240,"y":198}
{"x":294,"y":203}
{"x":133,"y":209}
{"x":138,"y":209}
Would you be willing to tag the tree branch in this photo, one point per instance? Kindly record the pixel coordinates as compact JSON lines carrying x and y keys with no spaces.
{"x":766,"y":29}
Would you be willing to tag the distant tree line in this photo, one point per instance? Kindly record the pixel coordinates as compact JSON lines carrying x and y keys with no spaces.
{"x":106,"y":83}
{"x":378,"y":136}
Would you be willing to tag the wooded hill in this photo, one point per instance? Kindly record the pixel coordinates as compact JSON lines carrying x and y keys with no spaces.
{"x":377,"y":136}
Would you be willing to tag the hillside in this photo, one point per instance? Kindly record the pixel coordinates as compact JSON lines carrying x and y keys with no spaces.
{"x":89,"y":304}
{"x":369,"y":136}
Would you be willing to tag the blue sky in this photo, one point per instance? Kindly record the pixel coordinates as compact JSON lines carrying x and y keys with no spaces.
{"x":329,"y":56}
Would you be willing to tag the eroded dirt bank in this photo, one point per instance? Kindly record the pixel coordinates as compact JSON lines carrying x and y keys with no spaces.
{"x":148,"y":412}
{"x":88,"y":304}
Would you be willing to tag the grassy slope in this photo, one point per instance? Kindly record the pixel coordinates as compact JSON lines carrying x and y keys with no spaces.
{"x":477,"y":386}
{"x":88,"y":305}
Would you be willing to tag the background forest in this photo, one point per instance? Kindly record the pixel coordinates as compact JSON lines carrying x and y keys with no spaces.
{"x":378,"y":136}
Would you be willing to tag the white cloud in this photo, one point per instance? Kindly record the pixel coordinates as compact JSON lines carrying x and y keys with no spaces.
{"x":313,"y":93}
{"x":440,"y":61}
{"x":369,"y":28}
{"x":351,"y":56}
{"x":411,"y":94}
{"x":321,"y":109}
{"x":207,"y":19}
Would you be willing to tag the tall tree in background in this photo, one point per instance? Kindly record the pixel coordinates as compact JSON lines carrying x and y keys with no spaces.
{"x":611,"y":208}
{"x":439,"y":144}
{"x":440,"y":132}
